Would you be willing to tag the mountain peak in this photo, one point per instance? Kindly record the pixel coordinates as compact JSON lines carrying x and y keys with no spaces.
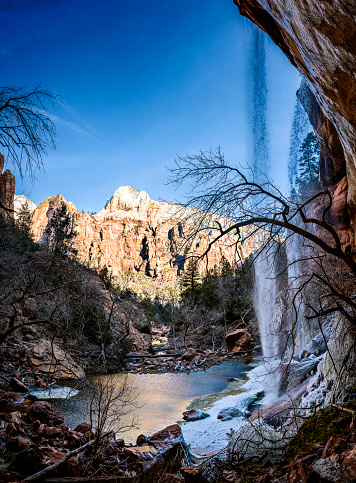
{"x":126,"y":198}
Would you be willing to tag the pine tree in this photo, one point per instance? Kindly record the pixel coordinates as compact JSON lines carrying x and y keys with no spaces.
{"x":209,"y":288}
{"x":190,"y":280}
{"x":24,"y":219}
{"x":60,"y":232}
{"x":308,"y":163}
{"x":300,"y":128}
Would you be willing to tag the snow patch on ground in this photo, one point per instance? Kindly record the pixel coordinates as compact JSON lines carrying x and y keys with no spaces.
{"x":210,"y":434}
{"x":54,"y":393}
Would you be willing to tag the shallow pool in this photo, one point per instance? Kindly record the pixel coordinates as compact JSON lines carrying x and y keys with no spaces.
{"x":162,"y":398}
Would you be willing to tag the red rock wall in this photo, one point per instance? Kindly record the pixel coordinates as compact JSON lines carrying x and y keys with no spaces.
{"x":319,"y":39}
{"x":7,"y":191}
{"x":142,"y":240}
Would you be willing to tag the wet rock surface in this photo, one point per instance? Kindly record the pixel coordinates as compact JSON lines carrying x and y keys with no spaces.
{"x":229,"y":413}
{"x":195,"y":415}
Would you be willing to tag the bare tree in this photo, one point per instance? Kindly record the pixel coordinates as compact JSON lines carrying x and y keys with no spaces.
{"x":26,"y":128}
{"x":111,"y":408}
{"x":253,"y":208}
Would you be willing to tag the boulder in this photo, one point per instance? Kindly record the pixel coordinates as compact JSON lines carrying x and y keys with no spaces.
{"x":330,"y":470}
{"x":145,"y":455}
{"x":237,"y":341}
{"x":52,"y":431}
{"x":305,"y":354}
{"x":229,"y":413}
{"x":51,"y":456}
{"x":75,"y":439}
{"x":18,"y":385}
{"x":83,"y":428}
{"x":143,"y":325}
{"x":191,"y":473}
{"x":167,"y":438}
{"x":15,"y":398}
{"x":189,"y":354}
{"x":195,"y":415}
{"x":142,"y":440}
{"x":44,"y":412}
{"x":39,"y":382}
{"x":50,"y":359}
{"x":349,"y":462}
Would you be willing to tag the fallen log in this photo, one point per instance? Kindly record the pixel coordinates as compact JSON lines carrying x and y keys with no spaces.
{"x":345,"y":410}
{"x":55,"y":466}
{"x":162,"y":349}
{"x":88,"y":479}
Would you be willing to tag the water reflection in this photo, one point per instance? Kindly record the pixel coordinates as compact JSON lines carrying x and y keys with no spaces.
{"x":162,"y":398}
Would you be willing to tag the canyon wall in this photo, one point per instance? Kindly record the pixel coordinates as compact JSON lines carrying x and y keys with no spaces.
{"x":319,"y":39}
{"x":7,"y":191}
{"x":133,"y":232}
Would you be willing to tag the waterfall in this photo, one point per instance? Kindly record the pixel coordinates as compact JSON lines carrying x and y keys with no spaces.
{"x":265,"y":297}
{"x":258,"y":106}
{"x":297,"y":326}
{"x":304,"y":334}
{"x":265,"y":290}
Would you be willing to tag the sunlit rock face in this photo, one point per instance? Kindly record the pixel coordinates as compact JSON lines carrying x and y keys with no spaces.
{"x":127,"y":198}
{"x":7,"y":191}
{"x":20,"y":201}
{"x":319,"y":38}
{"x":134,"y":232}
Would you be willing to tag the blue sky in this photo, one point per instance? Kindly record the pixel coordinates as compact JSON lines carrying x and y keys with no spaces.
{"x":141,"y":82}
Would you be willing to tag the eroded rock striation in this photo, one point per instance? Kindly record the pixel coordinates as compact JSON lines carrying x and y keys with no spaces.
{"x":7,"y":191}
{"x":319,"y":38}
{"x":133,"y":232}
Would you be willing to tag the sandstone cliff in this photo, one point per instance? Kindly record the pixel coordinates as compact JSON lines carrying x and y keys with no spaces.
{"x":7,"y":191}
{"x":133,"y":232}
{"x":319,"y":39}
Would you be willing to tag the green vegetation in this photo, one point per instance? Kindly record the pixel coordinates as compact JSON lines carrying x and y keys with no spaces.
{"x":60,"y":232}
{"x":24,"y":219}
{"x":190,"y":281}
{"x":225,"y":286}
{"x":93,"y":323}
{"x":317,"y":429}
{"x":43,"y":286}
{"x":308,"y":163}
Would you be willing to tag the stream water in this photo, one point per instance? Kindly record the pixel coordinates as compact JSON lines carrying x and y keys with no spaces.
{"x":162,"y":398}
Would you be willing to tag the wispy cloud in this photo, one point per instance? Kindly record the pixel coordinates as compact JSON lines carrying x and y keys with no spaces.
{"x":85,"y":125}
{"x":72,"y":126}
{"x":5,"y":52}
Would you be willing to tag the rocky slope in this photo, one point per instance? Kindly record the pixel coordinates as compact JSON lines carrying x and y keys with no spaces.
{"x":133,"y":232}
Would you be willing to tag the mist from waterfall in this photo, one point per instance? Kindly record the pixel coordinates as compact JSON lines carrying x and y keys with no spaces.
{"x":265,"y":287}
{"x":265,"y":297}
{"x":299,"y":328}
{"x":258,"y":107}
